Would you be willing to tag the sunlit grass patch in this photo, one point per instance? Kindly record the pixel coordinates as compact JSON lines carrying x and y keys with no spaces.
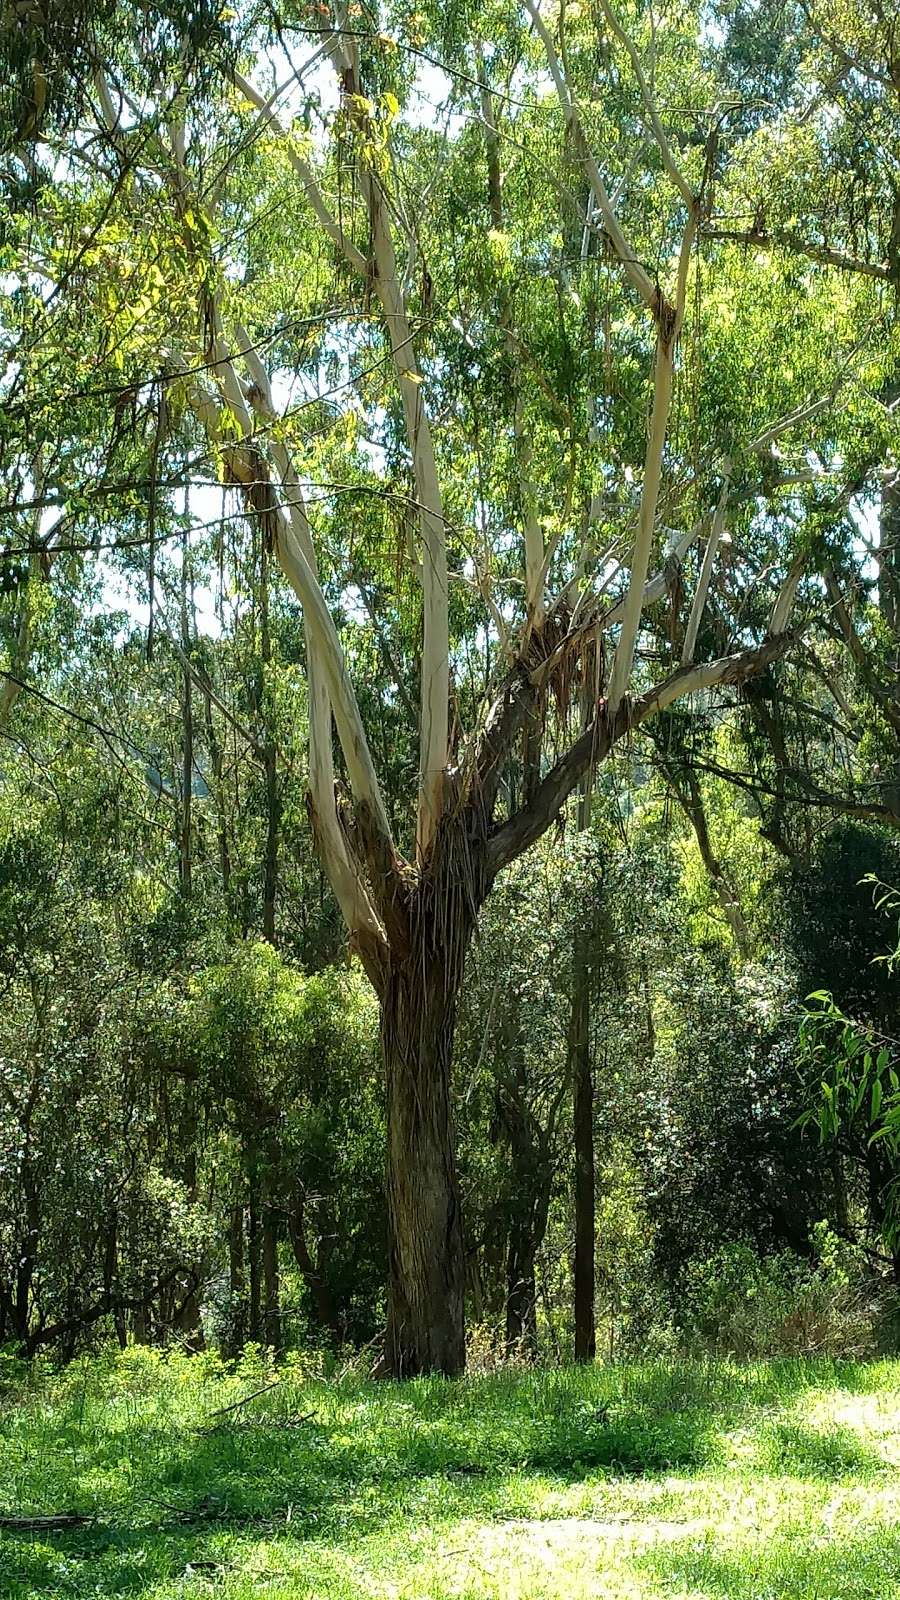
{"x":654,"y":1481}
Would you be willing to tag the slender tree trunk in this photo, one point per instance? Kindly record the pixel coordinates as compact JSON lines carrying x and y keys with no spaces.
{"x":521,"y":1293}
{"x":187,"y":1318}
{"x":581,"y":1077}
{"x":271,"y":1280}
{"x":426,"y":1328}
{"x":270,"y":764}
{"x":237,"y":1275}
{"x":889,"y":598}
{"x":111,"y":1280}
{"x":253,"y":1252}
{"x":581,"y":1068}
{"x":187,"y":735}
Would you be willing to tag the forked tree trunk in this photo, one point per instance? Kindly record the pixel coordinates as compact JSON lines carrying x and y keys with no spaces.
{"x":425,"y":1325}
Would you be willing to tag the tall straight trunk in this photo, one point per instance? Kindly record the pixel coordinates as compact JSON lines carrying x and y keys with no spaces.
{"x":530,"y":1182}
{"x":237,"y":1283}
{"x":521,"y":1292}
{"x":254,"y":1252}
{"x":426,"y":1286}
{"x":111,"y":1280}
{"x":581,"y":1077}
{"x":270,"y":765}
{"x":525,"y":1240}
{"x":271,"y":1280}
{"x":218,"y":771}
{"x":187,"y":1318}
{"x":583,"y":1129}
{"x":187,"y":735}
{"x":889,"y":598}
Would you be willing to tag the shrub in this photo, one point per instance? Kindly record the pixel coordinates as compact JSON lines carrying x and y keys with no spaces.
{"x":742,"y":1304}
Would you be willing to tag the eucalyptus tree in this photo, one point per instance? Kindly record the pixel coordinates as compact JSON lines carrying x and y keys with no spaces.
{"x":500,"y":379}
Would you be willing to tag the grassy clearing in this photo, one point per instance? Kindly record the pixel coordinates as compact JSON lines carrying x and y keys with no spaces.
{"x":769,"y":1482}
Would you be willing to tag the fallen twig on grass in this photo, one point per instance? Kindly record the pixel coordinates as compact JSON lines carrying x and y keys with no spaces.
{"x":223,"y":1411}
{"x":48,"y":1524}
{"x":255,"y":1424}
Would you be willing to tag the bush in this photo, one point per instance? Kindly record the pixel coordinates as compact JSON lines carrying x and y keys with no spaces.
{"x":739,"y":1303}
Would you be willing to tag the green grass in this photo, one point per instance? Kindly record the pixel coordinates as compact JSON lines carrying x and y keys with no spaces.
{"x":661,"y":1482}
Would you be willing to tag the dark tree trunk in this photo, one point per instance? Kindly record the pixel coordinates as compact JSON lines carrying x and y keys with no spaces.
{"x":187,"y":734}
{"x":530,"y":1181}
{"x":186,"y":1316}
{"x":270,"y":763}
{"x":253,"y":1251}
{"x":521,"y":1293}
{"x":273,"y":822}
{"x":583,"y":1130}
{"x":111,"y":1282}
{"x":271,"y":1280}
{"x":581,"y":1077}
{"x":324,"y":1309}
{"x":237,"y":1310}
{"x":425,"y":1328}
{"x":889,"y":599}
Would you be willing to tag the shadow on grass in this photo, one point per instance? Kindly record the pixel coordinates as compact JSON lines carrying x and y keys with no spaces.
{"x":375,"y":1458}
{"x":808,"y":1452}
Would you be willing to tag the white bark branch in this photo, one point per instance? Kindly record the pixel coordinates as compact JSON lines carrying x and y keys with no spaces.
{"x":304,"y":172}
{"x":637,"y":275}
{"x":659,"y":132}
{"x":245,"y":467}
{"x":435,"y":669}
{"x":349,"y":891}
{"x":709,"y":555}
{"x":785,"y":601}
{"x":666,"y":342}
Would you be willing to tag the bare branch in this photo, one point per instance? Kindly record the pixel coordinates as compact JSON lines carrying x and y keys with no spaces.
{"x":304,"y":172}
{"x":634,"y":271}
{"x":765,"y":240}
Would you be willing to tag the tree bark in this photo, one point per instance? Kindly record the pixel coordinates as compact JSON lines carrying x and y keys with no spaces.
{"x":581,"y":1077}
{"x":270,"y":759}
{"x":271,"y":1279}
{"x":324,"y":1308}
{"x":888,"y":596}
{"x":521,"y":1293}
{"x":583,"y":1129}
{"x":237,"y":1309}
{"x":253,"y":1253}
{"x":187,"y":735}
{"x":187,"y":1319}
{"x":425,"y":1325}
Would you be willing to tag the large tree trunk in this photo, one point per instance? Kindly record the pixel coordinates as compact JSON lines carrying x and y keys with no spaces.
{"x":425,"y":1327}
